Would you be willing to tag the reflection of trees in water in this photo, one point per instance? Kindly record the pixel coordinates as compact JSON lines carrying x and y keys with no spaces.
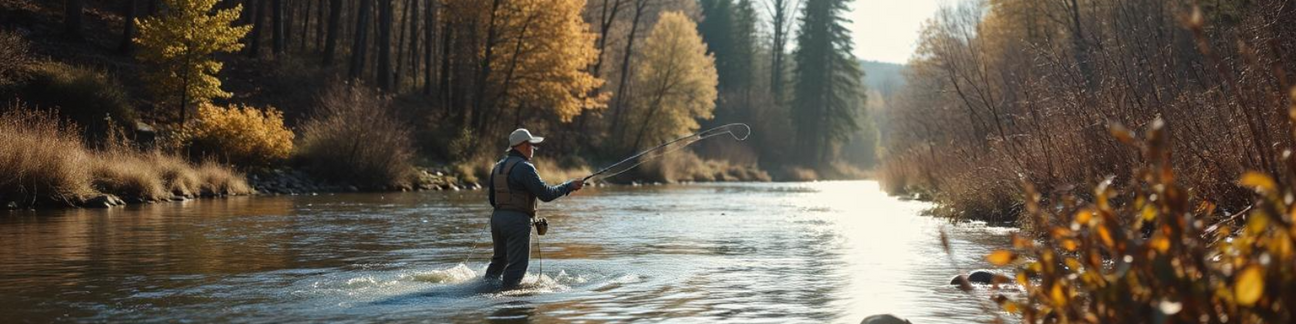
{"x":112,"y":254}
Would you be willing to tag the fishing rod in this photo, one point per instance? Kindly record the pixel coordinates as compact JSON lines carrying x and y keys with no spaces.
{"x":685,"y":141}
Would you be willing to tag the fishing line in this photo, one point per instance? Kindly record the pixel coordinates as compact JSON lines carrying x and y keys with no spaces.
{"x":738,"y":131}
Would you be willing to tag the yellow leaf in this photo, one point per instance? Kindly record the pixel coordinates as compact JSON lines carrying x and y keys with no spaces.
{"x":1069,"y":245}
{"x":1084,"y":216}
{"x":1000,"y":257}
{"x":1257,"y":223}
{"x":1160,"y":243}
{"x":1249,"y":285}
{"x":1059,"y":297}
{"x":1010,"y":307}
{"x":1106,"y":236}
{"x":1258,"y":181}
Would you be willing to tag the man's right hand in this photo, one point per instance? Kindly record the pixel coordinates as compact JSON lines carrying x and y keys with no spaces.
{"x":576,"y":184}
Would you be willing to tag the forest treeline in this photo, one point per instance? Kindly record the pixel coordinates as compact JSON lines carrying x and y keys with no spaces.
{"x":1003,"y":93}
{"x":600,"y":78}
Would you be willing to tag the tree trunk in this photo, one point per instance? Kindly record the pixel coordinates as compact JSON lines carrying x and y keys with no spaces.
{"x":128,"y":26}
{"x":254,"y":37}
{"x":305,"y":26}
{"x":385,"y":44}
{"x":605,"y":22}
{"x":447,"y":37}
{"x":334,"y":28}
{"x":409,"y":12}
{"x":484,"y":71}
{"x":358,"y":48}
{"x":72,"y":18}
{"x":277,"y":32}
{"x":429,"y":42}
{"x":640,"y":7}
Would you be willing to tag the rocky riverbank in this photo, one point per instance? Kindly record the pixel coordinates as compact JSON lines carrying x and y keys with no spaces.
{"x":296,"y":182}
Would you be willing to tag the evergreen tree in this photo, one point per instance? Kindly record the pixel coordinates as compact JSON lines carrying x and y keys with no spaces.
{"x":717,"y":29}
{"x":827,"y":92}
{"x":177,"y":47}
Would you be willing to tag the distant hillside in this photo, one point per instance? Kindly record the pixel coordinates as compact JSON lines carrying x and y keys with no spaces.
{"x":885,"y":78}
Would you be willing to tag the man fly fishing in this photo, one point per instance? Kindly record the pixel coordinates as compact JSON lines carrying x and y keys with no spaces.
{"x":514,"y":188}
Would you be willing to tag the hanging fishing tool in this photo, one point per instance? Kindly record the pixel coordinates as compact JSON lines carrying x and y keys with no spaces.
{"x":738,"y":131}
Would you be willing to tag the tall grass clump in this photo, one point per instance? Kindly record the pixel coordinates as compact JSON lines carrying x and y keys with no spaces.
{"x":1156,"y":252}
{"x":242,"y":135}
{"x":41,"y":158}
{"x":355,"y":136}
{"x":45,"y":162}
{"x":83,"y":95}
{"x":216,"y":179}
{"x":128,"y":174}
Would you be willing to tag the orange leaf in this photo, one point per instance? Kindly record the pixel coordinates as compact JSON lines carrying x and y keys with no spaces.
{"x":1001,"y":257}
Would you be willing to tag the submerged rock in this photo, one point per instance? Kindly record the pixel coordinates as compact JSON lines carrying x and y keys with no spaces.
{"x":884,"y":319}
{"x":979,"y":276}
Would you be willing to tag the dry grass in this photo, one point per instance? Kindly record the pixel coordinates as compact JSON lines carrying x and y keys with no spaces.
{"x":216,"y":179}
{"x":127,"y":174}
{"x":49,"y":164}
{"x":41,"y":158}
{"x":179,"y":177}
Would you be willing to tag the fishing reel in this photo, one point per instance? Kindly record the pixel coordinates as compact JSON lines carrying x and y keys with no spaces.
{"x":541,"y":225}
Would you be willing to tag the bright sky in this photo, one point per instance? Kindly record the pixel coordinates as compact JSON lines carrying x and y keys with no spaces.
{"x":887,"y":30}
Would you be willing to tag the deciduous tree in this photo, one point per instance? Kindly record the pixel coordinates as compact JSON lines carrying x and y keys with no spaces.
{"x":177,"y":46}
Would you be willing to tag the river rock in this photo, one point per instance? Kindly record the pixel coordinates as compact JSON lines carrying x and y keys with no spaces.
{"x":979,"y":276}
{"x":104,"y":201}
{"x":884,"y":319}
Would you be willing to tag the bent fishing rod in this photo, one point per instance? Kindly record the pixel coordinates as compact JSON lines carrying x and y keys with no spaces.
{"x":683,"y":141}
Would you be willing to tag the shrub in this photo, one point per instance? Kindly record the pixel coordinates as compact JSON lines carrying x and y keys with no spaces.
{"x":355,"y":136}
{"x":241,"y":135}
{"x":41,"y":158}
{"x":14,"y":54}
{"x":82,"y":95}
{"x":1157,"y":258}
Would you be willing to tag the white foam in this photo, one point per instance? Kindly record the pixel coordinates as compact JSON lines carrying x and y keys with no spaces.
{"x":458,"y":274}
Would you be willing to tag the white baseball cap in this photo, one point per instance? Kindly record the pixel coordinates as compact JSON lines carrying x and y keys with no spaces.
{"x":522,"y":135}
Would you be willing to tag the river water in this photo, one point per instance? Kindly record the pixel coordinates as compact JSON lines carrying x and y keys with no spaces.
{"x":747,"y":253}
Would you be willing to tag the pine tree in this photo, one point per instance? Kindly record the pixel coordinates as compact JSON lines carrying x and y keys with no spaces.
{"x":827,"y":91}
{"x":177,"y":46}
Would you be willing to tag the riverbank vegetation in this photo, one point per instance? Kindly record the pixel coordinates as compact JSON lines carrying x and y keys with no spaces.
{"x":1166,"y":256}
{"x":1002,"y":93}
{"x":374,"y":93}
{"x":45,"y":162}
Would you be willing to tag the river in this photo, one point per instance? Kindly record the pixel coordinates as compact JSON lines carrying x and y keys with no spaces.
{"x":746,"y":253}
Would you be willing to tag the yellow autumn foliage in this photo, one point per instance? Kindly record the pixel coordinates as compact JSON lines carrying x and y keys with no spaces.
{"x":177,"y":48}
{"x":1161,"y":255}
{"x":240,"y":134}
